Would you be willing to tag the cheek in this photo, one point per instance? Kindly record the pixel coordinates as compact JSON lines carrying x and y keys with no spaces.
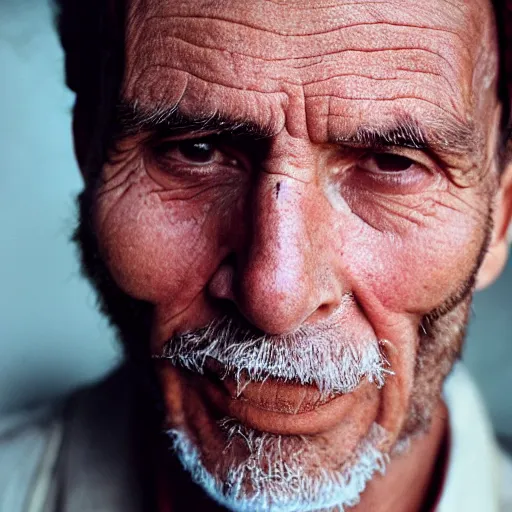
{"x":156,"y":245}
{"x":418,"y":267}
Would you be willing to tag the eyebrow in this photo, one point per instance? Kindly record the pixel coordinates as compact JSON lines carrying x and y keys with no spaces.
{"x":446,"y":136}
{"x":132,"y":119}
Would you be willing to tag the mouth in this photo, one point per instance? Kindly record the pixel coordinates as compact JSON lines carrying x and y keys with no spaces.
{"x":275,"y":406}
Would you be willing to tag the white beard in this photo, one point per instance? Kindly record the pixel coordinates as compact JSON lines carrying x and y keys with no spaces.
{"x":282,"y":473}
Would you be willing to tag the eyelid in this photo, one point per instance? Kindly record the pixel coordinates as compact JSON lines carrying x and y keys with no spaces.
{"x":417,"y":156}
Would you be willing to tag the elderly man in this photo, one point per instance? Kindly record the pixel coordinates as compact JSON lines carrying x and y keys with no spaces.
{"x":287,"y":208}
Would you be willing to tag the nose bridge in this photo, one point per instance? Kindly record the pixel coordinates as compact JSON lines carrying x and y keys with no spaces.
{"x":277,"y":288}
{"x":282,"y":236}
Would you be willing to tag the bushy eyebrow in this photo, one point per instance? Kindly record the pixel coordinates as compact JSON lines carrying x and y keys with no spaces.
{"x":443,"y":136}
{"x":446,"y":136}
{"x":131,"y":119}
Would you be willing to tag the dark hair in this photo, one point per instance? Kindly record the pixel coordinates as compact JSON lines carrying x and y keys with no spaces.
{"x":92,"y":36}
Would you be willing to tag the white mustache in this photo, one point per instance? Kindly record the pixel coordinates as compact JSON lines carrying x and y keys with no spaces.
{"x":312,"y":355}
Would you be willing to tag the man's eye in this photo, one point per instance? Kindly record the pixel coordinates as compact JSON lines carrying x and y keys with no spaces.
{"x":197,"y":152}
{"x":386,"y":163}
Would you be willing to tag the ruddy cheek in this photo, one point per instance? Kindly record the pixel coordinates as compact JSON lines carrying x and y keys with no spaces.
{"x":418,"y":272}
{"x":154,"y":250}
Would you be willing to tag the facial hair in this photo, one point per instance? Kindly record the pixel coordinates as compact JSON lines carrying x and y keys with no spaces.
{"x":280,"y":473}
{"x":316,"y":355}
{"x":277,"y":474}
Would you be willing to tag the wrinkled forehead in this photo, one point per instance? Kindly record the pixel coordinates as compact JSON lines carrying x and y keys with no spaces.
{"x":258,"y":58}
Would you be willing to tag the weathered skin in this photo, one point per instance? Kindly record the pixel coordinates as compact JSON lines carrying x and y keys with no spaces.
{"x":284,"y":227}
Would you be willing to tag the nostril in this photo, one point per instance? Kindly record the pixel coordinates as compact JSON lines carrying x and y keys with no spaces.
{"x":322,"y":312}
{"x":324,"y":308}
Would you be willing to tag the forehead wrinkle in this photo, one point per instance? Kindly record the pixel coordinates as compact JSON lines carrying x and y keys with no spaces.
{"x":265,"y":44}
{"x":313,"y":71}
{"x":294,"y":4}
{"x":246,"y":36}
{"x":243,"y":74}
{"x":332,"y":30}
{"x":323,"y":17}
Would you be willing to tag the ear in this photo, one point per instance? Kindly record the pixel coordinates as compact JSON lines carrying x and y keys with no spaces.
{"x":497,"y":254}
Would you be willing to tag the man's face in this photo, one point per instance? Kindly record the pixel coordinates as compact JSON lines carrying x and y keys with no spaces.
{"x":312,"y":181}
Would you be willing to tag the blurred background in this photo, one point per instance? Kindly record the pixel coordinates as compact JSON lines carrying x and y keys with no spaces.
{"x":52,"y":339}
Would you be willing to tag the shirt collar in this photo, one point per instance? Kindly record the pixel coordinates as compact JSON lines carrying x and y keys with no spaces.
{"x":472,"y":478}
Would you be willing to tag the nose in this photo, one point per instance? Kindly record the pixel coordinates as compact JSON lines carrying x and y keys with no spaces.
{"x":281,"y":278}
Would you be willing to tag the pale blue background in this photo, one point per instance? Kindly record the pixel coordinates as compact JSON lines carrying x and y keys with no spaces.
{"x":51,"y":337}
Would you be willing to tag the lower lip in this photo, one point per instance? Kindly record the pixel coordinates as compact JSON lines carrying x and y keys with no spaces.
{"x":317,"y":419}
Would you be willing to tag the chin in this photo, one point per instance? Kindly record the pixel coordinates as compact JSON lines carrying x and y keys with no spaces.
{"x":280,"y":473}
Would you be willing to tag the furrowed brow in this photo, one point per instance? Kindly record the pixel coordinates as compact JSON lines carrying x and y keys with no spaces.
{"x":442,"y":137}
{"x":131,"y":119}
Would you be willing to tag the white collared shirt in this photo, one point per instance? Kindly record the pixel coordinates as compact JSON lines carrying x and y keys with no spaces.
{"x":479,"y":474}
